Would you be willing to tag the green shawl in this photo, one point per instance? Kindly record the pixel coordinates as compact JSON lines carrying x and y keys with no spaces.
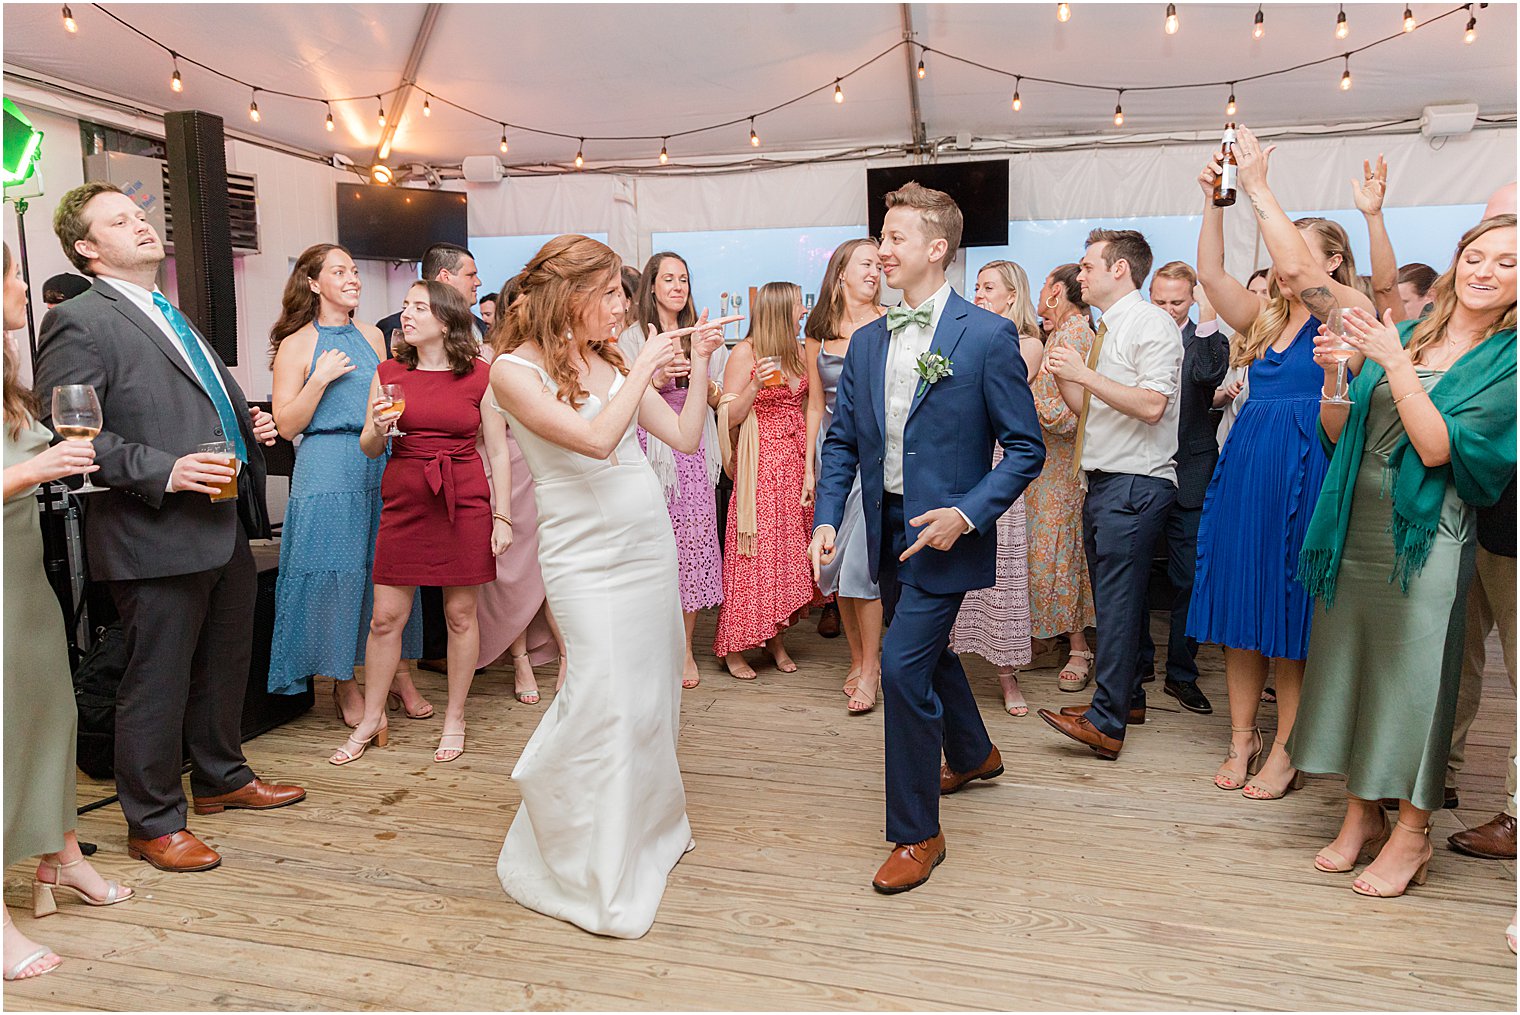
{"x":1477,"y":398}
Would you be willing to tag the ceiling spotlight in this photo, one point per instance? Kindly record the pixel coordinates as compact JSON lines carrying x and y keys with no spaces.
{"x":1342,"y":29}
{"x":838,"y":92}
{"x":69,"y":24}
{"x":381,"y":173}
{"x":1259,"y":28}
{"x":1063,"y":12}
{"x":176,"y":83}
{"x":1409,"y":22}
{"x":1171,"y":19}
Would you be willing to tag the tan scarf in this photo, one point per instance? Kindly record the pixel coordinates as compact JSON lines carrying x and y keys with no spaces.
{"x":741,"y":461}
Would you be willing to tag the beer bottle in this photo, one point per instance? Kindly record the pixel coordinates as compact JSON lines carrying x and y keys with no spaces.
{"x":1224,"y":186}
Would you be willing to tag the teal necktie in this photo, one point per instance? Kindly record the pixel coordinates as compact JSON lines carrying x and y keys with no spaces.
{"x":205,"y":372}
{"x":900,"y":317}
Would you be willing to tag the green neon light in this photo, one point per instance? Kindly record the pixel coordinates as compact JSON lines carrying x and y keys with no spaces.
{"x":20,"y":159}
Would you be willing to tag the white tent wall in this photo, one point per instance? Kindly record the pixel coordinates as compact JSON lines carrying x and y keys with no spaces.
{"x":297,"y":203}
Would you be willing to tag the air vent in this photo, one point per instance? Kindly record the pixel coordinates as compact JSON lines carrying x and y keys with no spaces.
{"x":242,"y":210}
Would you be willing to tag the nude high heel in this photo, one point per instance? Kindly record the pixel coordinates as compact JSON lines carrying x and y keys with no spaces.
{"x":1255,"y":792}
{"x":353,"y":749}
{"x":1377,"y":888}
{"x":1330,"y":861}
{"x":45,"y":904}
{"x":1223,"y":781}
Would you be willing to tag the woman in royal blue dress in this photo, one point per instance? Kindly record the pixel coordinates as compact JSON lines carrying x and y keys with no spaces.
{"x":1246,"y":597}
{"x":323,"y":363}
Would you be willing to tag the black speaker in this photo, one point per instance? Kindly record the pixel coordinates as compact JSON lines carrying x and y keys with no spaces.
{"x":263,"y":711}
{"x":197,"y":153}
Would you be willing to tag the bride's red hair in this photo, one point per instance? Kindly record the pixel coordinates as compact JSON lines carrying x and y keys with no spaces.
{"x":553,"y":290}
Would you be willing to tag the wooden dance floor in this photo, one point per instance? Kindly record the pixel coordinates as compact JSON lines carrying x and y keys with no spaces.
{"x":1070,"y":882}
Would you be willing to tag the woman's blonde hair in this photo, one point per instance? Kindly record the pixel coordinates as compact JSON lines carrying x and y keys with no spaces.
{"x":823,"y":323}
{"x":1268,"y":326}
{"x":565,"y":275}
{"x":1443,"y":294}
{"x":21,"y":406}
{"x":1022,"y":312}
{"x":771,"y":330}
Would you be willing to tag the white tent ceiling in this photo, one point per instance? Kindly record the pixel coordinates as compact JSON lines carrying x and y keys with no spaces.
{"x":629,"y":69}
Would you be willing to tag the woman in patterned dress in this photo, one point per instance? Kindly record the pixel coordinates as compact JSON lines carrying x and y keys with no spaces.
{"x":767,"y":577}
{"x":994,"y":623}
{"x":1060,"y":590}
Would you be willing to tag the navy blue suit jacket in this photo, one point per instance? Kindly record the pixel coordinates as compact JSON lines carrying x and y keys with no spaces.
{"x":947,"y":443}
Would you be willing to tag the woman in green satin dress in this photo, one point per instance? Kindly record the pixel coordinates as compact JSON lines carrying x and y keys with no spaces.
{"x":1429,"y":435}
{"x":40,"y":716}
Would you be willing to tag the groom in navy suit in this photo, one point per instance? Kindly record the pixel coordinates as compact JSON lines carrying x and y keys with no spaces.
{"x":924,"y":395}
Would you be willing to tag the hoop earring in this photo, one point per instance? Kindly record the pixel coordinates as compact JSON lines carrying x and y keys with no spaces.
{"x":1050,"y":304}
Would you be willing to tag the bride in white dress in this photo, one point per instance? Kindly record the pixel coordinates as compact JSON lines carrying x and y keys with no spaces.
{"x":603,"y":815}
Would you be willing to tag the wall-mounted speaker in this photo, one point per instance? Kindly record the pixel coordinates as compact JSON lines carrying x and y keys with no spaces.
{"x":197,"y":151}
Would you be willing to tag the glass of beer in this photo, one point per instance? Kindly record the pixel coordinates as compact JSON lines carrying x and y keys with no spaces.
{"x":392,"y":393}
{"x":777,"y":377}
{"x":228,"y":489}
{"x":77,"y":417}
{"x":1340,"y":349}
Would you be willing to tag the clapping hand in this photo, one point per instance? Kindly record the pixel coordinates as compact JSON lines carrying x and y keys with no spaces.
{"x":264,"y":429}
{"x":1373,"y":188}
{"x":1252,"y":160}
{"x":1374,"y":339}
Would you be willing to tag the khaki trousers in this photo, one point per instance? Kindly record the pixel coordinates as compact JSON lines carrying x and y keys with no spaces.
{"x":1490,"y":602}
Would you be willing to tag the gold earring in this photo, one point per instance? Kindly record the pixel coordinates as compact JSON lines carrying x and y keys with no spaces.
{"x":1050,"y":304}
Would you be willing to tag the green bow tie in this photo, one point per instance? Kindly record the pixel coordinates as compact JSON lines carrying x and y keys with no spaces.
{"x":900,"y":317}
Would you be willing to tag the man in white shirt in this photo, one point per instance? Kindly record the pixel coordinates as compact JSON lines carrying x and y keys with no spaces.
{"x":1125,"y":398}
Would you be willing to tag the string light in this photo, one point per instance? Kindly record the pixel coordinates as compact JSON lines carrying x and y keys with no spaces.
{"x":754,"y":139}
{"x":381,"y":117}
{"x":1409,"y":22}
{"x":1346,"y":75}
{"x":330,"y":125}
{"x":1342,"y":28}
{"x":69,"y":24}
{"x":1259,"y":28}
{"x":503,"y":145}
{"x":921,"y":68}
{"x":176,"y":83}
{"x":1471,"y":32}
{"x":1063,"y":12}
{"x":253,"y":107}
{"x":664,"y":155}
{"x":1119,"y":110}
{"x":427,"y":107}
{"x":580,"y":159}
{"x":1018,"y":103}
{"x":1171,"y":19}
{"x":1229,"y":107}
{"x":838,"y":92}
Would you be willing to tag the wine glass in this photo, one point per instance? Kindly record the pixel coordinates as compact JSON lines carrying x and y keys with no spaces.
{"x":393,"y":394}
{"x":1340,"y":349}
{"x":77,"y":417}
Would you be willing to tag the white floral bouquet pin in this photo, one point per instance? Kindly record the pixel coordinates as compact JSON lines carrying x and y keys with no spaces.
{"x":932,"y":367}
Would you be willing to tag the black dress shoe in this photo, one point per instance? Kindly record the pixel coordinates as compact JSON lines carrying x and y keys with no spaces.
{"x":1189,"y":697}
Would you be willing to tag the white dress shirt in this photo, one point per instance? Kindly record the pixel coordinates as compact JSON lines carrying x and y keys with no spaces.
{"x":142,"y":299}
{"x":1142,"y":348}
{"x":903,"y":350}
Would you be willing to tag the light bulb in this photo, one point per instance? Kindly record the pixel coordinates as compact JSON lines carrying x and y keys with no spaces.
{"x":1346,"y":80}
{"x":1472,"y":30}
{"x":330,"y":125}
{"x":754,"y":139}
{"x":69,"y":24}
{"x":381,"y":117}
{"x":1409,"y":22}
{"x":664,"y":155}
{"x":920,"y":69}
{"x":1018,"y":103}
{"x":1259,"y":28}
{"x":1229,"y":107}
{"x":1171,"y":19}
{"x":176,"y":82}
{"x":253,"y":111}
{"x":1118,"y":116}
{"x":1342,"y":29}
{"x":503,"y":145}
{"x":838,"y":93}
{"x":1063,"y":12}
{"x":580,"y":159}
{"x":427,"y":108}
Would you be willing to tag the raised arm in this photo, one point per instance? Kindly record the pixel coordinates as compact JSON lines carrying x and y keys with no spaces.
{"x":1368,"y":195}
{"x":1293,"y":262}
{"x":684,"y":432}
{"x":1233,"y":301}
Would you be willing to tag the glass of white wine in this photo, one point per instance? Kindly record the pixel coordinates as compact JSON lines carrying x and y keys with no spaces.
{"x":1340,"y":349}
{"x":393,"y":394}
{"x":77,"y":417}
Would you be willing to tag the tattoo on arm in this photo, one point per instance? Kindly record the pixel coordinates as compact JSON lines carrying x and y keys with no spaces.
{"x":1261,"y":212}
{"x":1319,"y":300}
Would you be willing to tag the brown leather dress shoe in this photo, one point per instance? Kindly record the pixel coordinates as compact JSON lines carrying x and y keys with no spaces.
{"x":434,"y":665}
{"x":177,"y":853}
{"x":1492,"y":840}
{"x":909,"y":865}
{"x":1084,"y":732}
{"x":828,"y":623}
{"x":256,"y":796}
{"x":1136,"y":716}
{"x":950,"y":781}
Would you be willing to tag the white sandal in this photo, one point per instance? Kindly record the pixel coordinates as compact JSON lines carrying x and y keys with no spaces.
{"x":13,"y":971}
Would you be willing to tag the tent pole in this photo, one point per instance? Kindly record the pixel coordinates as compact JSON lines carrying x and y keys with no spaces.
{"x":408,"y":81}
{"x":915,"y":112}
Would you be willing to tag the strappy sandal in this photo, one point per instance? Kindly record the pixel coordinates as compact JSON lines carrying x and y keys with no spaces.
{"x":1254,"y":792}
{"x":1013,"y":702}
{"x":851,"y":681}
{"x":396,"y":703}
{"x":691,"y":678}
{"x":17,"y":970}
{"x":526,"y":697}
{"x":338,"y":707}
{"x":353,"y":748}
{"x":859,"y":697}
{"x":1079,"y":676}
{"x":1228,"y":784}
{"x":44,"y":903}
{"x":1330,"y":861}
{"x":454,"y":754}
{"x":1377,"y":888}
{"x":747,"y":672}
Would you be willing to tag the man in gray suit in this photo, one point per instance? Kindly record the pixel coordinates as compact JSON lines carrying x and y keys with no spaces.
{"x":177,"y":564}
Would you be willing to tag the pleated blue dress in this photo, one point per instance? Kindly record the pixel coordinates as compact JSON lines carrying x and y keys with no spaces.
{"x":324,"y":596}
{"x":1257,"y":509}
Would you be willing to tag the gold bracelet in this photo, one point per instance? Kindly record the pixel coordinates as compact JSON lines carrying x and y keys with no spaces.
{"x":1411,"y":394}
{"x":501,"y":517}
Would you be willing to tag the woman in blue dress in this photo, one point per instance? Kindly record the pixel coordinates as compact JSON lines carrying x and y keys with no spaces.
{"x":847,"y":299}
{"x":323,"y":363}
{"x":1246,"y":597}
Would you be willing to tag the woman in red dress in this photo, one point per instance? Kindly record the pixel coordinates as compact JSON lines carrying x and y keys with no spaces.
{"x":436,"y":523}
{"x":767,"y":578}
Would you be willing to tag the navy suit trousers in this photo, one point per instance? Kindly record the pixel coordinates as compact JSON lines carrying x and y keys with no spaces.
{"x":1181,"y":535}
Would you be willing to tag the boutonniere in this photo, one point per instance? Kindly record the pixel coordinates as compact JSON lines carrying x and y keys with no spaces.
{"x":932,"y":367}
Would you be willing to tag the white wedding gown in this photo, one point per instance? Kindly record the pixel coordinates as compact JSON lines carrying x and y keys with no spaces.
{"x":603,"y":815}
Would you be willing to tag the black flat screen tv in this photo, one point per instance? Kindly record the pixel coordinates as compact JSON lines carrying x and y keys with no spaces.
{"x":980,"y":188}
{"x":399,"y":223}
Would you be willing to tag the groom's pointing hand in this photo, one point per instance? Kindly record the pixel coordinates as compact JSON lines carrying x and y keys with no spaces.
{"x":942,"y":527}
{"x":821,"y":549}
